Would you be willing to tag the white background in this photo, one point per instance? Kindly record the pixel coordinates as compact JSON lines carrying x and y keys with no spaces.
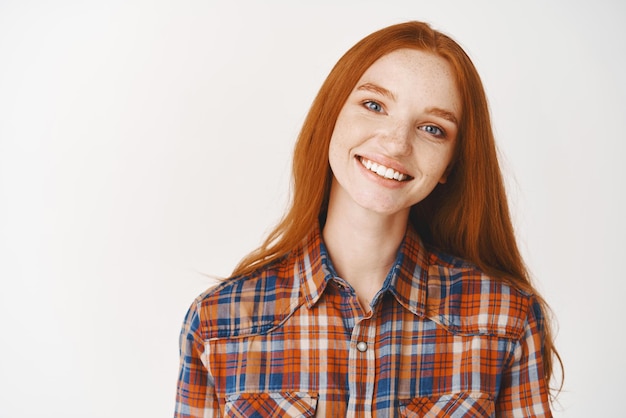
{"x":145,"y":145}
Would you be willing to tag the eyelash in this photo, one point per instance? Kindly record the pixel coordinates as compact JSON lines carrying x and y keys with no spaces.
{"x":440,"y":134}
{"x":369,"y":103}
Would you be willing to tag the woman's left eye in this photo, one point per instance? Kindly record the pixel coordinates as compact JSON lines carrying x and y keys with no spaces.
{"x":373,"y":106}
{"x":433,"y":130}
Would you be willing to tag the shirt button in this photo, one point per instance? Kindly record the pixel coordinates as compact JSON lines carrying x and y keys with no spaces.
{"x":361,"y":346}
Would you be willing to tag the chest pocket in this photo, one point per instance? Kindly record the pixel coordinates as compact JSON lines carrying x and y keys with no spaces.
{"x":456,"y":405}
{"x":271,"y":405}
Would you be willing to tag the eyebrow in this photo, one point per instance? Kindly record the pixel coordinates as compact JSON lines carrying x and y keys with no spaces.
{"x":442,"y":113}
{"x":377,"y":89}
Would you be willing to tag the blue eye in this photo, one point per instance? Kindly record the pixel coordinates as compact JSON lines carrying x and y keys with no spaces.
{"x":373,"y":106}
{"x":433,"y":130}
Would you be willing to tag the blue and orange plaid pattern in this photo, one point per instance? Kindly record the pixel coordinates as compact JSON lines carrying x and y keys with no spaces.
{"x":441,"y":340}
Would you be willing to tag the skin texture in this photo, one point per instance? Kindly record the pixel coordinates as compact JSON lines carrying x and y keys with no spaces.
{"x":402,"y":115}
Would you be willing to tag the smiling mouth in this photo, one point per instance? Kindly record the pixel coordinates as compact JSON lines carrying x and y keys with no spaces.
{"x":382,"y":171}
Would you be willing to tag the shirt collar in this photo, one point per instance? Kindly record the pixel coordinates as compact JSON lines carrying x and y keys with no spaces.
{"x":312,"y":266}
{"x":407,"y":280}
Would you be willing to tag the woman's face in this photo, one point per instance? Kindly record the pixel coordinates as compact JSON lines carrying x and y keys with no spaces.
{"x":395,"y":136}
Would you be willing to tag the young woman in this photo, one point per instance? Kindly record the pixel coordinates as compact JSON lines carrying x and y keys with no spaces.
{"x":393,"y":286}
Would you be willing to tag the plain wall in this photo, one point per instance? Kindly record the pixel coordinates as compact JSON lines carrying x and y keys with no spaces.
{"x":145,"y":145}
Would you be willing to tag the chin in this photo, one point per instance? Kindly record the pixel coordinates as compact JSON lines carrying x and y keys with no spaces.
{"x":383,"y":209}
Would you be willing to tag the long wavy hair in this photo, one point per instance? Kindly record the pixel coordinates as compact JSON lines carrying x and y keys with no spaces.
{"x":468,"y":216}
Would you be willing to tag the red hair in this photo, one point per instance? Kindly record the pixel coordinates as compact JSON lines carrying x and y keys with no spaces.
{"x":468,"y":216}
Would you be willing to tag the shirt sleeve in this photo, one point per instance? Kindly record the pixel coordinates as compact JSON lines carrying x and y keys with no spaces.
{"x":523,"y":390}
{"x":195,"y":395}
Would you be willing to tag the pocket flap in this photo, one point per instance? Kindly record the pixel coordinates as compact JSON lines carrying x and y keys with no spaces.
{"x":270,"y":405}
{"x":454,"y":405}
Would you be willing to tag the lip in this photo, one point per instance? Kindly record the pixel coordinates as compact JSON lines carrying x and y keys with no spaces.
{"x":386,"y":162}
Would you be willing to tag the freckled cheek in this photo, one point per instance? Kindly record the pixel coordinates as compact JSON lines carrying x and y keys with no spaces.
{"x":339,"y":146}
{"x":434,"y":172}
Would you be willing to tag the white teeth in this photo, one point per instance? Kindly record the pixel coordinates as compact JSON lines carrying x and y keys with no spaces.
{"x":381,"y":170}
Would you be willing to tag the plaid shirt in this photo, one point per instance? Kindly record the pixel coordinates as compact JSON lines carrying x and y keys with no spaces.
{"x":441,"y":340}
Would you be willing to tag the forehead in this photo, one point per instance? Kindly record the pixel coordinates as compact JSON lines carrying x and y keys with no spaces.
{"x":412,"y":59}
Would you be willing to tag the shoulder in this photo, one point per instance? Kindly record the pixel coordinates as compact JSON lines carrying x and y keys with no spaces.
{"x":248,"y":305}
{"x":465,"y":300}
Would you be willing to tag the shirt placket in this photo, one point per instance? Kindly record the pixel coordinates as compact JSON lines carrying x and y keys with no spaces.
{"x":362,"y":368}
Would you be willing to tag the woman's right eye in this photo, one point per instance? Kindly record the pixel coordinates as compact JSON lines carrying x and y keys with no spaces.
{"x":373,"y":106}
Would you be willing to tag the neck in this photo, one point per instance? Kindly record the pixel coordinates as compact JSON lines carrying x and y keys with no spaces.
{"x":363,"y":245}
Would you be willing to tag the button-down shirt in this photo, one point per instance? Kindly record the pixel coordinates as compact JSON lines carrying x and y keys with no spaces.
{"x":441,"y":339}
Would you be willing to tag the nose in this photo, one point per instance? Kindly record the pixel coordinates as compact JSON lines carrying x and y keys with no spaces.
{"x":398,"y":140}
